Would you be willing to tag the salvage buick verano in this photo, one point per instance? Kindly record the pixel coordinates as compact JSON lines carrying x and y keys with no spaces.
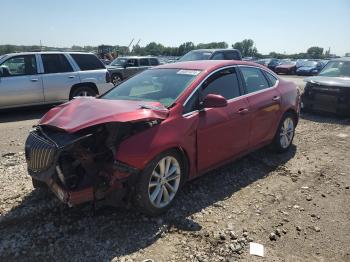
{"x":143,"y":139}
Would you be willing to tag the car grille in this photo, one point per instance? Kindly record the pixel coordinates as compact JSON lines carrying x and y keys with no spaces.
{"x":40,"y":153}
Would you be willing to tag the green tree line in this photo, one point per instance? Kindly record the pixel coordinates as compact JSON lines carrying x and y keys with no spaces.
{"x":246,"y":47}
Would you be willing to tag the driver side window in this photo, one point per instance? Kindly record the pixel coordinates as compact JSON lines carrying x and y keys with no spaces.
{"x":224,"y":83}
{"x":19,"y":66}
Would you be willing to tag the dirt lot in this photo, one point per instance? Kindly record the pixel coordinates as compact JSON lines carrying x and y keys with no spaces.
{"x":295,"y":204}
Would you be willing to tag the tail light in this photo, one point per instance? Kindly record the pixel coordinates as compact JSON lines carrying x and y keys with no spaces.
{"x":108,"y":77}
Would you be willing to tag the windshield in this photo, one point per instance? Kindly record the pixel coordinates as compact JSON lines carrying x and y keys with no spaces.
{"x":119,"y":62}
{"x":160,"y":85}
{"x":196,"y":55}
{"x":336,"y":69}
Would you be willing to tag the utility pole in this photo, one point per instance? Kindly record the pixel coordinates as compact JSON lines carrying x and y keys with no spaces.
{"x":41,"y":46}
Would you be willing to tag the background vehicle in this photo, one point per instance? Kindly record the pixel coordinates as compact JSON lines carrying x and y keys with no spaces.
{"x":212,"y":54}
{"x":309,"y":68}
{"x":150,"y":134}
{"x":270,"y":63}
{"x":330,"y":90}
{"x":286,"y":67}
{"x":50,"y":77}
{"x":125,"y":67}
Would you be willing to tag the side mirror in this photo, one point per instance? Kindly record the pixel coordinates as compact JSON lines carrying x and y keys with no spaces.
{"x":211,"y":101}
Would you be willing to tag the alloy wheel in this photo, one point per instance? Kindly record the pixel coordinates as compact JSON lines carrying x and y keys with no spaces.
{"x":116,"y":80}
{"x":287,"y":132}
{"x":164,"y":182}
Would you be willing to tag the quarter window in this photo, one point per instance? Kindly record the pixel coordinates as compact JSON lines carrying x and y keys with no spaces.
{"x":19,"y":65}
{"x":254,"y":79}
{"x":223,"y":83}
{"x":271,"y":78}
{"x":87,"y":62}
{"x":144,"y":62}
{"x":56,"y":63}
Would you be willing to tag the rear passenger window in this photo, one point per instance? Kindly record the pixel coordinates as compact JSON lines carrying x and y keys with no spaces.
{"x":218,"y":56}
{"x":254,"y":79}
{"x":56,"y":63}
{"x":154,"y":61}
{"x":232,"y":56}
{"x":223,"y":83}
{"x":271,"y":78}
{"x":144,"y":62}
{"x":87,"y":62}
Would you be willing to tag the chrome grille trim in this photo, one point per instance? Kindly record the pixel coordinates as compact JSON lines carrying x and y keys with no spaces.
{"x":41,"y":153}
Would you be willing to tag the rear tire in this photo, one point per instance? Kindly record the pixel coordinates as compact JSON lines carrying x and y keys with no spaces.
{"x":159,"y":183}
{"x":83,"y":91}
{"x":285,"y":133}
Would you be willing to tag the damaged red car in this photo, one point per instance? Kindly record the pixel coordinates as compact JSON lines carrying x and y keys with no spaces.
{"x":145,"y":138}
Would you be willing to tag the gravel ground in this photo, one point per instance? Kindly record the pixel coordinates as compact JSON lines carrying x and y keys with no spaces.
{"x":295,"y":204}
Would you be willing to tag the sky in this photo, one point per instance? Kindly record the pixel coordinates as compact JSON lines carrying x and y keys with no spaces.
{"x":274,"y":25}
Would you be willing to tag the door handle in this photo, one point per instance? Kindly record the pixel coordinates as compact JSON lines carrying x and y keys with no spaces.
{"x":276,"y":98}
{"x":71,"y":76}
{"x":242,"y":111}
{"x":34,"y":79}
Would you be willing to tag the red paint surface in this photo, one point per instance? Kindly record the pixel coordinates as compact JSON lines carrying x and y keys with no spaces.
{"x":208,"y":138}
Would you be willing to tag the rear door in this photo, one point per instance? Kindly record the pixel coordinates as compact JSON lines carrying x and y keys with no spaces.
{"x":20,"y":83}
{"x":222,"y":132}
{"x":144,"y":64}
{"x":264,"y":103}
{"x":58,"y":77}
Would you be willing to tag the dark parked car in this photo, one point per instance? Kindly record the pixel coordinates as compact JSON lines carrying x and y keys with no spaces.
{"x":146,"y":137}
{"x":286,"y":67}
{"x":270,"y":63}
{"x":124,"y":67}
{"x":309,"y":68}
{"x":212,"y":54}
{"x":330,"y":90}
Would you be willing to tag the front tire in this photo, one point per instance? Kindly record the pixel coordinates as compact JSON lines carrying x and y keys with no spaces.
{"x":116,"y":79}
{"x":159,"y":183}
{"x":285,"y":133}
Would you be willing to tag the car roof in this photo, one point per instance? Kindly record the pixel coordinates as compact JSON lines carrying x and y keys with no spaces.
{"x":49,"y":52}
{"x":136,"y":57}
{"x":214,"y":49}
{"x":342,"y":59}
{"x":206,"y":64}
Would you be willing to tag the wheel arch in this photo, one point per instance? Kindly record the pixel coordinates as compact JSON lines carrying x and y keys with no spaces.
{"x":88,"y":84}
{"x":292,"y":112}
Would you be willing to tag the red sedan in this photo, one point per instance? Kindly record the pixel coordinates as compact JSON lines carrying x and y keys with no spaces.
{"x":143,"y":139}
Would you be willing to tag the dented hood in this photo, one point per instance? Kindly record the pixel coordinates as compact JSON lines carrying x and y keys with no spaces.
{"x":84,"y":112}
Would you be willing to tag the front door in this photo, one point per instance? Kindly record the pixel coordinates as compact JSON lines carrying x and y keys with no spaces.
{"x":222,"y":132}
{"x":20,"y":83}
{"x":132,"y":67}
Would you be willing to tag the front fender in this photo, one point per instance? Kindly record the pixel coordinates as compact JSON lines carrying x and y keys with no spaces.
{"x":140,"y":149}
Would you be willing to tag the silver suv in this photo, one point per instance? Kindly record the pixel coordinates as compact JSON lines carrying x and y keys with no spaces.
{"x":50,"y":77}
